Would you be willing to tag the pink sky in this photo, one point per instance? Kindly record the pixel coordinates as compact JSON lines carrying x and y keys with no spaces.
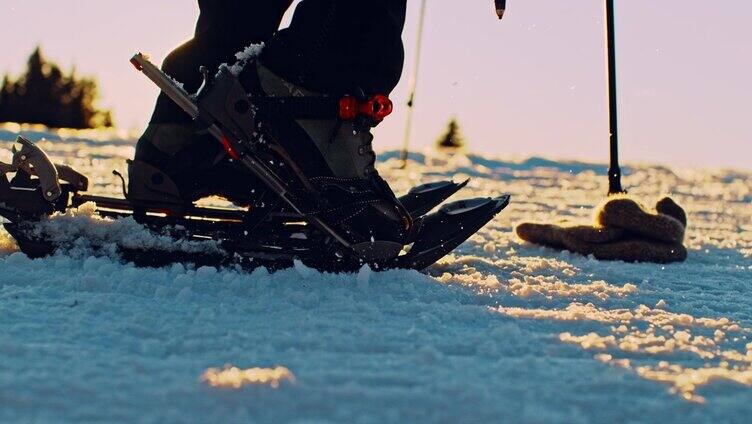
{"x":530,"y":85}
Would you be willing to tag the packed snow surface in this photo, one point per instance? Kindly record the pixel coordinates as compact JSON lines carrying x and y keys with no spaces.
{"x":499,"y":331}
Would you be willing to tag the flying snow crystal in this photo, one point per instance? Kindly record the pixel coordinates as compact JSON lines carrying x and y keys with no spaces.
{"x":235,"y":378}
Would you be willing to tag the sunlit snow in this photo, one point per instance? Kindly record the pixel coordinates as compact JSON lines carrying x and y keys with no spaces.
{"x":498,"y":331}
{"x":235,"y":378}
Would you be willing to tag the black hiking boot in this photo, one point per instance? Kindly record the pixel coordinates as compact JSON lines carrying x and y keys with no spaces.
{"x":176,"y":165}
{"x":331,"y":157}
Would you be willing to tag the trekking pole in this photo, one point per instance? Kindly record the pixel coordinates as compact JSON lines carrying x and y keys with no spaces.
{"x":413,"y":85}
{"x":614,"y":170}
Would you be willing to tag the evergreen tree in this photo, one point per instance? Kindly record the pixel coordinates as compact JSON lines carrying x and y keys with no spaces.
{"x":6,"y":93}
{"x":46,"y":95}
{"x":452,"y":139}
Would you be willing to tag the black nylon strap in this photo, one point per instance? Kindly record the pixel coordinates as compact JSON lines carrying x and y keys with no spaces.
{"x":298,"y":107}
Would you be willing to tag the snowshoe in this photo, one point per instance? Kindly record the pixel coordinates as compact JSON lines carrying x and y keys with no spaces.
{"x":308,"y":216}
{"x":264,"y":236}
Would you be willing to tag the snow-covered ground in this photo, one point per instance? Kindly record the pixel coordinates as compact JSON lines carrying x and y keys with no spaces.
{"x":500,"y":331}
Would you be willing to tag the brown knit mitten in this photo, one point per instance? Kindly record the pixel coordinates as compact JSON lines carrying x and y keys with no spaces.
{"x":630,"y":216}
{"x":667,"y":206}
{"x":543,"y":234}
{"x":624,"y":231}
{"x":576,"y":239}
{"x":637,"y":250}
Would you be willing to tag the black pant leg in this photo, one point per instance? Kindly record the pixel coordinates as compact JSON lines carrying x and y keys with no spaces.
{"x":224,"y":28}
{"x":333,"y":46}
{"x":337,"y":46}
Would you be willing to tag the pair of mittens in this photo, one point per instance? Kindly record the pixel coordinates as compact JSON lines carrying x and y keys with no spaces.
{"x":624,"y":230}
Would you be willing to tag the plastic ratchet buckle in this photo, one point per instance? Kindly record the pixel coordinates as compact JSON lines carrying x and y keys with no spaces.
{"x":376,"y":108}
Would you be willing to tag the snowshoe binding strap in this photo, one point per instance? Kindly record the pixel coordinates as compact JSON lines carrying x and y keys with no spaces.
{"x":375,"y":109}
{"x":348,"y":108}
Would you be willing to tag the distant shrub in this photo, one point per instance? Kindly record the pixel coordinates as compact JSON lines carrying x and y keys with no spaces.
{"x":452,"y":138}
{"x":45,"y":95}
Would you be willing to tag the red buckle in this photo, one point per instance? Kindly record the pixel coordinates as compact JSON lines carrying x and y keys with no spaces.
{"x":376,"y":108}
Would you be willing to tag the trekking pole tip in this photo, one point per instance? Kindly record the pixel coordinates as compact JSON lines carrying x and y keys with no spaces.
{"x":501,"y":6}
